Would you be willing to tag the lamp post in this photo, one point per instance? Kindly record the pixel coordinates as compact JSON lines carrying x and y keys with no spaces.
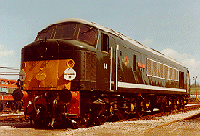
{"x":195,"y":78}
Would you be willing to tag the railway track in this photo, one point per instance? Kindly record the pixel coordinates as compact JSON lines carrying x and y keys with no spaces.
{"x":10,"y":117}
{"x":150,"y":116}
{"x":16,"y":118}
{"x":188,"y":108}
{"x":149,"y":124}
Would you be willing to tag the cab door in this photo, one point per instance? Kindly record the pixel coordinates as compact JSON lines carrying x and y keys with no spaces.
{"x":106,"y":71}
{"x":103,"y":64}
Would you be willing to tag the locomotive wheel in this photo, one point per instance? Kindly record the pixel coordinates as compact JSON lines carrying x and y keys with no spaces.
{"x":139,"y":113}
{"x":67,"y":123}
{"x":14,"y":107}
{"x":151,"y":108}
{"x":82,"y":122}
{"x":182,"y":104}
{"x":101,"y":119}
{"x":122,"y":115}
{"x":140,"y":108}
{"x":112,"y":117}
{"x":163,"y":107}
{"x":174,"y":105}
{"x":170,"y":106}
{"x":40,"y":119}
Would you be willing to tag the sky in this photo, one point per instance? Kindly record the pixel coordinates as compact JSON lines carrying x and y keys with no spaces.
{"x":171,"y":27}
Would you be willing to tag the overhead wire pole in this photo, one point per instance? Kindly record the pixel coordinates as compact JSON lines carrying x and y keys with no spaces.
{"x":195,"y":78}
{"x":9,"y":73}
{"x":10,"y":68}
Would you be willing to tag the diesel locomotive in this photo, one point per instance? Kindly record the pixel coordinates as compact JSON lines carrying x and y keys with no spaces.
{"x":79,"y":72}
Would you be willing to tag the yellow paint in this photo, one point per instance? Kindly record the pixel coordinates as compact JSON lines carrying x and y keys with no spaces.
{"x":132,"y":107}
{"x":177,"y":102}
{"x":147,"y":105}
{"x":68,"y":86}
{"x":71,"y":64}
{"x":52,"y":89}
{"x":111,"y":110}
{"x":47,"y":74}
{"x":170,"y":103}
{"x":40,"y":76}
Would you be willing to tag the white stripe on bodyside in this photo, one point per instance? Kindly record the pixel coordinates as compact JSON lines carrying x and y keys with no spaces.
{"x":143,"y":86}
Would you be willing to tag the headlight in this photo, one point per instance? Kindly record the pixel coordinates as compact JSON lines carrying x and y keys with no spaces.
{"x":69,"y":74}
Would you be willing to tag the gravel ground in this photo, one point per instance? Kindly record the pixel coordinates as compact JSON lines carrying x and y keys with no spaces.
{"x":165,"y":125}
{"x":180,"y":128}
{"x":138,"y":127}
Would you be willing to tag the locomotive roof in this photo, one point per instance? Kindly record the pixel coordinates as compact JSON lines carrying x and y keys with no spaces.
{"x":118,"y":34}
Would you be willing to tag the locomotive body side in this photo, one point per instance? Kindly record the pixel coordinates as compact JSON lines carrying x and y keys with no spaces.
{"x":142,"y":70}
{"x":149,"y":72}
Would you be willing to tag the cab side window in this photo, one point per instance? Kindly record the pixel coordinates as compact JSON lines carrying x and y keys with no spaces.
{"x":134,"y":62}
{"x":104,"y":42}
{"x":181,"y":79}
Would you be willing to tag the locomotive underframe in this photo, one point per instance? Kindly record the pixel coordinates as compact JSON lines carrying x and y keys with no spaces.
{"x":95,"y":107}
